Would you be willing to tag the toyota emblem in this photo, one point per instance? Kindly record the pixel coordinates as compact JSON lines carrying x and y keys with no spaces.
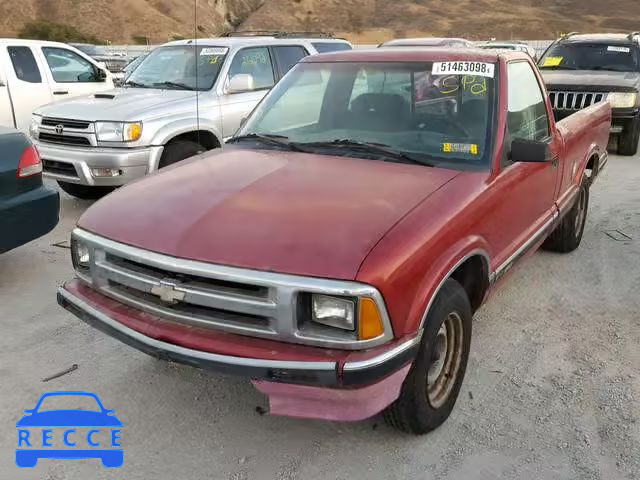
{"x":59,"y":129}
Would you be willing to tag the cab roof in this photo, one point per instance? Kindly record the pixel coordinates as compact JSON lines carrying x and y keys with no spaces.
{"x":431,"y":41}
{"x":413,"y":54}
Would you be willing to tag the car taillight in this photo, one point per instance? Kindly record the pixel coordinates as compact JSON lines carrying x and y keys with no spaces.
{"x":30,"y":163}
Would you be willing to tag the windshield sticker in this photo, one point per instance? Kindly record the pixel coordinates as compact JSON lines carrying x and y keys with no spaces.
{"x":618,"y":49}
{"x":213,"y":60}
{"x":552,"y":61}
{"x":469,"y":148}
{"x":470,"y":83}
{"x":482,"y":69}
{"x":214,"y":51}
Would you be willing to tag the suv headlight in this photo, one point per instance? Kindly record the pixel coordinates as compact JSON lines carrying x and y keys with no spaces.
{"x":622,"y":99}
{"x":34,"y":126}
{"x":360,"y":315}
{"x":118,"y":131}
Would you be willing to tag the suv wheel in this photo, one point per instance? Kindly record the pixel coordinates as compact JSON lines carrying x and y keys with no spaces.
{"x":179,"y":150}
{"x":628,"y":141}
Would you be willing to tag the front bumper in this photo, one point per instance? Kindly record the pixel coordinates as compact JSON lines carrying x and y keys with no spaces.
{"x":28,"y":216}
{"x":282,"y":370}
{"x":74,"y":164}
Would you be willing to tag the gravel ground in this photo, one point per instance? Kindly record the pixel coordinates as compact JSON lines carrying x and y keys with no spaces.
{"x":552,"y":390}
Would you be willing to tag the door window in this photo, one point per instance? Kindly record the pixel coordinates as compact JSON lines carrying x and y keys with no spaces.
{"x":24,"y":64}
{"x":527,"y":116}
{"x":255,"y":62}
{"x":287,"y":57}
{"x":69,"y":67}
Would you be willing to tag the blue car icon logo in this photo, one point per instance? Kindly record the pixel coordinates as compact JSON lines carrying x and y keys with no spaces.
{"x":64,"y":433}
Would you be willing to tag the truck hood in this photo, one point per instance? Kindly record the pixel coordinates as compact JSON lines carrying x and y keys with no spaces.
{"x":267,"y":210}
{"x":122,"y":104}
{"x":591,"y":80}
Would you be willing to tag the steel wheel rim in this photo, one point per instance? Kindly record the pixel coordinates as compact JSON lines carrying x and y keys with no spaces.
{"x":445,"y":360}
{"x":580,"y":216}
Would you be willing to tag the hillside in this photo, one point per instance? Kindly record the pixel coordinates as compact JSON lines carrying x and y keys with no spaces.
{"x":118,"y":21}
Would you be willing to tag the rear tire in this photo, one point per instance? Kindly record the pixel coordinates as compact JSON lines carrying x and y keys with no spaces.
{"x":431,"y":388}
{"x":85,"y":192}
{"x":629,"y":138}
{"x":179,"y":150}
{"x":568,"y":235}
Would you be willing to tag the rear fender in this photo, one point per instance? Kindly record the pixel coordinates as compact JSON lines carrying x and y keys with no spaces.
{"x":440,"y":271}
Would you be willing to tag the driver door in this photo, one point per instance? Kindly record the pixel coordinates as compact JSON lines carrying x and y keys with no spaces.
{"x":71,"y":75}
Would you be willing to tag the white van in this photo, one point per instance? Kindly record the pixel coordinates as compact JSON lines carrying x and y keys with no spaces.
{"x":34,"y":73}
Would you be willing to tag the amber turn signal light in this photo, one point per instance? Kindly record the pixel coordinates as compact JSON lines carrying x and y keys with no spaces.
{"x":369,"y":320}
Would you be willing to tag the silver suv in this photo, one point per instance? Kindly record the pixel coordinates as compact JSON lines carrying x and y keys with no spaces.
{"x":184,"y":98}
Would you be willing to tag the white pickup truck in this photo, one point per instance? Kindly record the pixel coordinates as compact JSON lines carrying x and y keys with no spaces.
{"x":184,"y":98}
{"x":34,"y":73}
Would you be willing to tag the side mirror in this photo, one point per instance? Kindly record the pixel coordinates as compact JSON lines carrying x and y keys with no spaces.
{"x":243,"y":121}
{"x":242,"y":82}
{"x":102,"y":75}
{"x":529,"y":151}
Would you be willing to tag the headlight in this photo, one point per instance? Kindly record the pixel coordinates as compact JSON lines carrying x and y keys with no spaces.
{"x":80,"y":254}
{"x":118,"y":131}
{"x":34,"y":126}
{"x":333,"y":311}
{"x":622,"y":99}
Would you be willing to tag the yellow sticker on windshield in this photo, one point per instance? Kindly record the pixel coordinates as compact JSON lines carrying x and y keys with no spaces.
{"x":470,"y":148}
{"x":552,"y":61}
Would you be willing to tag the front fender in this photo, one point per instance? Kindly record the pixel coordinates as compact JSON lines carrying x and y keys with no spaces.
{"x":173,"y":129}
{"x":440,"y":271}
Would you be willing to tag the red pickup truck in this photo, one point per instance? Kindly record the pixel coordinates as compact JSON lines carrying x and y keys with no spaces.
{"x":335,"y":251}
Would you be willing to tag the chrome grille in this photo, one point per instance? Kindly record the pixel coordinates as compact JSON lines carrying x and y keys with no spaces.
{"x":564,"y":100}
{"x":74,"y":124}
{"x":235,"y":300}
{"x":63,"y":139}
{"x":115,"y":65}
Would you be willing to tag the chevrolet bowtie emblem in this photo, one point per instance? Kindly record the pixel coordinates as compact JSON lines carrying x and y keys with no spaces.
{"x":168,"y":292}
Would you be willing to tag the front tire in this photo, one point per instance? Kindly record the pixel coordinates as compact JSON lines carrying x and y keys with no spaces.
{"x":179,"y":150}
{"x":431,"y":388}
{"x":629,"y":138}
{"x":568,"y":235}
{"x":85,"y":192}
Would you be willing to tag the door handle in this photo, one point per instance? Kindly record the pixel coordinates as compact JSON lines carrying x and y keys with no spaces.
{"x":61,"y":92}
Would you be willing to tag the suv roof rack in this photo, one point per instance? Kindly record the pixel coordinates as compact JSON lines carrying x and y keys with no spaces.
{"x":278,"y":34}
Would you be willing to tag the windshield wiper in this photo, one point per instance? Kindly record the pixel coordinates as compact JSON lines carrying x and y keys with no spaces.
{"x":131,"y":83}
{"x":182,"y":86}
{"x":269,"y":139}
{"x":379,"y":149}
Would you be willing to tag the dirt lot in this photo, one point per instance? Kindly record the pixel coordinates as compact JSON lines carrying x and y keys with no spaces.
{"x":552,"y":390}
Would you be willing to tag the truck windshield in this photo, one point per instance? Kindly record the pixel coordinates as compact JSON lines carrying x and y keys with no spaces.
{"x":586,"y":56}
{"x":181,"y":67}
{"x":403,"y":108}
